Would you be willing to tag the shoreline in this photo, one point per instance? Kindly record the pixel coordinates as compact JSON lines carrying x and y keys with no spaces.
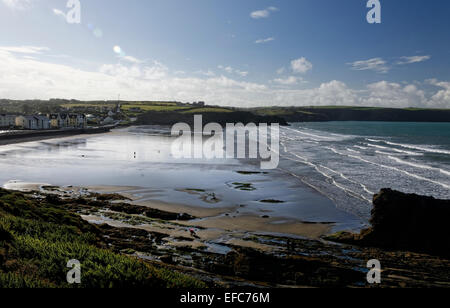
{"x":31,"y":136}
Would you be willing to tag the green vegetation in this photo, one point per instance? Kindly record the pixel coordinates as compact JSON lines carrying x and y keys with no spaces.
{"x":271,"y":201}
{"x":151,"y":103}
{"x":208,"y":109}
{"x":250,"y":172}
{"x":86,"y":105}
{"x":195,"y":190}
{"x":244,"y":186}
{"x":143,"y":108}
{"x":38,"y":238}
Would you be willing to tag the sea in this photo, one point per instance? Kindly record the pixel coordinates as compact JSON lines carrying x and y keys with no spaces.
{"x":349,"y":162}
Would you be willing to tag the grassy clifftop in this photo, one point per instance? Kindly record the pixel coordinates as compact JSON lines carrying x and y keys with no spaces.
{"x":343,"y":113}
{"x":38,"y":238}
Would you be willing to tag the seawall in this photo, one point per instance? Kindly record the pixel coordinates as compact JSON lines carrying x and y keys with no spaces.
{"x":29,"y":135}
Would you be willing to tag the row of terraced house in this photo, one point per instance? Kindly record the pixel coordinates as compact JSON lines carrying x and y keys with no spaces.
{"x":39,"y":122}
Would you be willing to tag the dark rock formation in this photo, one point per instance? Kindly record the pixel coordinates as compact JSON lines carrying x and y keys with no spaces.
{"x":5,"y":236}
{"x":311,"y":114}
{"x":405,"y":222}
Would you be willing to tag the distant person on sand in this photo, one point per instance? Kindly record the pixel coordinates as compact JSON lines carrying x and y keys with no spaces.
{"x":193,"y":233}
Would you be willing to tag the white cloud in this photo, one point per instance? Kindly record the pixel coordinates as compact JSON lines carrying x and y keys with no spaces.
{"x":442,"y":98}
{"x":379,"y":65}
{"x":391,"y":94}
{"x":231,"y":70}
{"x":208,"y":73}
{"x":266,"y":40}
{"x":59,"y":13}
{"x":131,"y":59}
{"x":23,"y":49}
{"x":154,"y":71}
{"x":288,"y":81}
{"x":263,"y":13}
{"x":18,"y":4}
{"x":281,"y":70}
{"x":374,"y":64}
{"x":25,"y":78}
{"x":301,"y":65}
{"x":413,"y":59}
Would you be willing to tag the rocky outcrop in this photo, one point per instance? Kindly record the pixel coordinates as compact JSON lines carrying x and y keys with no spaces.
{"x":305,"y":114}
{"x":405,"y":222}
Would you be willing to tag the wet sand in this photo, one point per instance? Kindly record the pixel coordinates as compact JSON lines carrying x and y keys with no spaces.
{"x":228,"y":218}
{"x":265,"y":225}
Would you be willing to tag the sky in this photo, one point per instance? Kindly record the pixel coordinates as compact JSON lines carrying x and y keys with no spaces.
{"x":228,"y":52}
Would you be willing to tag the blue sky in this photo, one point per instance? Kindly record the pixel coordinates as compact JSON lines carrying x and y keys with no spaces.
{"x":229,"y":52}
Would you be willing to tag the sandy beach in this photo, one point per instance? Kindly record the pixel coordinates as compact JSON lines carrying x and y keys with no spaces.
{"x":230,"y":202}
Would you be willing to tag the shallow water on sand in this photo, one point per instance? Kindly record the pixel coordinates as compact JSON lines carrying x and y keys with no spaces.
{"x":137,"y":157}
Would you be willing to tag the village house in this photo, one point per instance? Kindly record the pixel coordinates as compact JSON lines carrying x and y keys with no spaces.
{"x":81,"y":121}
{"x":73,"y":120}
{"x":42,"y":122}
{"x":55,"y":120}
{"x":107,"y":121}
{"x":27,"y":122}
{"x":67,"y":120}
{"x":7,"y":120}
{"x":51,"y":121}
{"x":64,"y":122}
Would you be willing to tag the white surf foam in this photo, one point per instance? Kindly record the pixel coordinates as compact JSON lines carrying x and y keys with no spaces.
{"x":333,"y":181}
{"x":360,"y":147}
{"x":416,"y":165}
{"x":314,"y":136}
{"x":394,"y":150}
{"x":391,"y":168}
{"x":414,"y":147}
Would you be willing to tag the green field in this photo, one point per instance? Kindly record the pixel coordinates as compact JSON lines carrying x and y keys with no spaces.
{"x":206,"y":109}
{"x":144,"y":108}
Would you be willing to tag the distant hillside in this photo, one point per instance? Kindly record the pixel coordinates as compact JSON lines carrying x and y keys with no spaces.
{"x":314,"y":114}
{"x":209,"y":116}
{"x":168,"y":113}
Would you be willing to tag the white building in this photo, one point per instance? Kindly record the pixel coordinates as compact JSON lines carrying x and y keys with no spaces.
{"x":33,"y":122}
{"x":81,"y":121}
{"x":7,"y":120}
{"x":43,"y":122}
{"x":108,"y":120}
{"x":27,"y":122}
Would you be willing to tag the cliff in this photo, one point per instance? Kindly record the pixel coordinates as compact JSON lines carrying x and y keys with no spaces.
{"x":334,"y":113}
{"x":405,"y":222}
